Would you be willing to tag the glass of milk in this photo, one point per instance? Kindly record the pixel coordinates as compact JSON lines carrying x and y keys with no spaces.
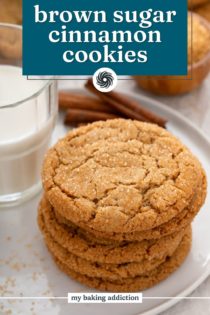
{"x":28,"y":111}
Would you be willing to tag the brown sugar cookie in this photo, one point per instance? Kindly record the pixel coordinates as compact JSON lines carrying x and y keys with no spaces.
{"x":136,"y":283}
{"x":204,"y":10}
{"x":198,"y":39}
{"x":102,"y":270}
{"x":198,"y":63}
{"x":177,"y":223}
{"x":72,"y":241}
{"x":10,"y":44}
{"x":120,"y":176}
{"x":11,"y":11}
{"x":196,"y":3}
{"x":99,"y":270}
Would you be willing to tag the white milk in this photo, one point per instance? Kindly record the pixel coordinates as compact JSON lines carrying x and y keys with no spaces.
{"x":25,"y":130}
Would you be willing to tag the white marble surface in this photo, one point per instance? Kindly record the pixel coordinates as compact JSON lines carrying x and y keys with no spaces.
{"x":196,"y":107}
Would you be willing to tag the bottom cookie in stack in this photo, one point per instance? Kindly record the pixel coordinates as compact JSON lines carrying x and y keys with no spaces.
{"x":136,"y":283}
{"x":130,"y":266}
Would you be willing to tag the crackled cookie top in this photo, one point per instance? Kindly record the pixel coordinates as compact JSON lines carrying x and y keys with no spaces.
{"x":120,"y":176}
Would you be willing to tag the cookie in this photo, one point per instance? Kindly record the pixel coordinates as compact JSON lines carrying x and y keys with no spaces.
{"x":72,"y":241}
{"x":204,"y":10}
{"x":179,"y":222}
{"x":10,"y":44}
{"x":198,"y":39}
{"x":11,"y":11}
{"x":138,"y":283}
{"x":120,"y":176}
{"x":196,"y":3}
{"x":102,"y":270}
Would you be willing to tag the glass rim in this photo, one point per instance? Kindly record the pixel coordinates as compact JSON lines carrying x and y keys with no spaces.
{"x":42,"y":88}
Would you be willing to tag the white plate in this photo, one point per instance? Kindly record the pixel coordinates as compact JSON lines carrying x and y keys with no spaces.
{"x":26,"y":268}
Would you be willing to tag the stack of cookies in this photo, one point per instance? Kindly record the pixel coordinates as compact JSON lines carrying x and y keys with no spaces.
{"x":119,"y":199}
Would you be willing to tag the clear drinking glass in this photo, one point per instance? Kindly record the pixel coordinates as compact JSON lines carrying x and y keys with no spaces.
{"x":28,"y":111}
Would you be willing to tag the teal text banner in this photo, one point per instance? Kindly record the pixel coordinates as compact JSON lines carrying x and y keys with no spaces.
{"x":132,"y":37}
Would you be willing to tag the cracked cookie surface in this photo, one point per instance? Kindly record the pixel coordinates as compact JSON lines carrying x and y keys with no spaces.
{"x":120,"y":176}
{"x":174,"y":225}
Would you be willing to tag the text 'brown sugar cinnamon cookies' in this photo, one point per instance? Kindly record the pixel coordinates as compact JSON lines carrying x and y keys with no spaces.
{"x":119,"y":199}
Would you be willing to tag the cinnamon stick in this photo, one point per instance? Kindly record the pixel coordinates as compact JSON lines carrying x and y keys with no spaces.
{"x":76,"y":101}
{"x":127,"y":106}
{"x":78,"y":116}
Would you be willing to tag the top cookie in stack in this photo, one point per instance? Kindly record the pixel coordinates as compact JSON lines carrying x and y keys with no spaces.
{"x":121,"y":176}
{"x":114,"y":183}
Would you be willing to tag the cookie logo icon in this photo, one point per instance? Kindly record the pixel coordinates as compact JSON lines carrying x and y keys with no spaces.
{"x":105,"y":80}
